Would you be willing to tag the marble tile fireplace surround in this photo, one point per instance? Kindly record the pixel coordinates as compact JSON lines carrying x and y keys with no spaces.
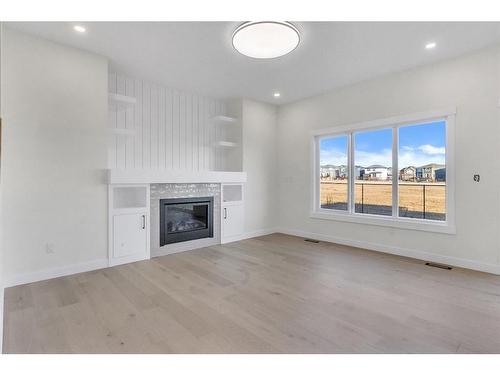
{"x":189,"y":190}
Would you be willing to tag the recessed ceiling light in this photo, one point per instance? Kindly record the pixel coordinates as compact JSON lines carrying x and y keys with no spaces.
{"x":276,"y":94}
{"x":79,"y":28}
{"x":266,"y":39}
{"x":430,"y":45}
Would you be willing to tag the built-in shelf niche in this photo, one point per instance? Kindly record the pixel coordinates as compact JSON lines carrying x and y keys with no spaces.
{"x":228,"y":141}
{"x":232,"y":193}
{"x":226,"y":144}
{"x":125,"y":197}
{"x":227,"y":133}
{"x":224,"y":120}
{"x":119,"y":102}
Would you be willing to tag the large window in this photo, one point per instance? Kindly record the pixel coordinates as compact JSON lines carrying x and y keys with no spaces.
{"x":394,"y":171}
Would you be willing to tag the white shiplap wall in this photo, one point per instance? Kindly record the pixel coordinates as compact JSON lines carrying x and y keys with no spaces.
{"x":173,"y":130}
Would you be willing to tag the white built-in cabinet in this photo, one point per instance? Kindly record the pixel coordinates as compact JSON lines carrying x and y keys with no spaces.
{"x":128,"y":223}
{"x":232,"y":212}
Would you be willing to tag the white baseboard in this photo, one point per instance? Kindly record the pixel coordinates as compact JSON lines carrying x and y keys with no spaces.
{"x":127,"y":259}
{"x":50,"y":273}
{"x":416,"y":254}
{"x":247,"y":235}
{"x":26,"y":278}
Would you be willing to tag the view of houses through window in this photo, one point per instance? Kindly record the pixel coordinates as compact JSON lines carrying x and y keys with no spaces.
{"x":373,"y":182}
{"x":421,"y":173}
{"x":334,"y":173}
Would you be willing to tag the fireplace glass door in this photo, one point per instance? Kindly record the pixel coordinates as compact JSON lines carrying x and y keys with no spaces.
{"x":185,"y":219}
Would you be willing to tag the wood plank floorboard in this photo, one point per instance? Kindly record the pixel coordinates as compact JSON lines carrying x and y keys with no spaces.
{"x":272,"y":294}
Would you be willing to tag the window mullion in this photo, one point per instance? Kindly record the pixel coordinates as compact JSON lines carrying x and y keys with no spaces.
{"x":395,"y":172}
{"x":317,"y":173}
{"x":351,"y":176}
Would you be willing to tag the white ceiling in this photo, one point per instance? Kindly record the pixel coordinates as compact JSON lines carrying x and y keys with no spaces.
{"x":199,"y":57}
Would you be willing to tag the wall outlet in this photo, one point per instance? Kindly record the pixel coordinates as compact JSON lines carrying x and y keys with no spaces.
{"x":49,"y":248}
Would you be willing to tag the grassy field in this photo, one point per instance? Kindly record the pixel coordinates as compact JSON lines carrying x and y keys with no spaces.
{"x":380,"y":193}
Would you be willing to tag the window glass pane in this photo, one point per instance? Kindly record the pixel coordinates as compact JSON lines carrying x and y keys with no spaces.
{"x":422,"y":171}
{"x":333,"y":173}
{"x":373,"y":172}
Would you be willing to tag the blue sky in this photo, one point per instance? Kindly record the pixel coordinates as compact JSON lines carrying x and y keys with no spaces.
{"x":418,"y":145}
{"x":333,"y":151}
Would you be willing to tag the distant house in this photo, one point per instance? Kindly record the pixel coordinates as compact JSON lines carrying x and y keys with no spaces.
{"x":333,"y":172}
{"x":358,"y":171}
{"x":329,"y":171}
{"x":408,"y":174}
{"x":428,"y":172}
{"x":343,"y":171}
{"x":440,"y":174}
{"x":376,"y":172}
{"x":373,"y":172}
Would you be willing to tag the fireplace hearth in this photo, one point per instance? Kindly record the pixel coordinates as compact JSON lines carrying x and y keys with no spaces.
{"x":185,"y":219}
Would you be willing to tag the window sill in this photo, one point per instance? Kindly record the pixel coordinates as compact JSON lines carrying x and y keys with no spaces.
{"x":401,"y":223}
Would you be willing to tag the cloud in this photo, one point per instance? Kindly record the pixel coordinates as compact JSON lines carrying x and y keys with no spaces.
{"x":432,"y":150}
{"x":408,"y":156}
{"x":421,"y":155}
{"x":366,"y":158}
{"x":418,"y":158}
{"x":332,"y":156}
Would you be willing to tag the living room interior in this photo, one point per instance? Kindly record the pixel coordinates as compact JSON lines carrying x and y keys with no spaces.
{"x":281,"y":187}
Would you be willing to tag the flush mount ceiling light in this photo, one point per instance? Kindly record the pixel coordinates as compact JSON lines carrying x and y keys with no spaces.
{"x":430,"y":45}
{"x":266,"y":39}
{"x":276,"y":94}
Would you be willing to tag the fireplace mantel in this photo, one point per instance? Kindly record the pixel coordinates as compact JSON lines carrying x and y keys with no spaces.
{"x":169,"y":176}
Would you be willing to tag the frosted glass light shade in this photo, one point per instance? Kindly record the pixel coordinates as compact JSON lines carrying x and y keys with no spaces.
{"x":265,"y":39}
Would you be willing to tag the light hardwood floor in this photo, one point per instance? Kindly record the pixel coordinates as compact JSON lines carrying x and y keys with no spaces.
{"x":273,"y":294}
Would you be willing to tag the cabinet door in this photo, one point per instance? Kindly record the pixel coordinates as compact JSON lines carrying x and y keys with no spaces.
{"x":232,"y":217}
{"x":129,"y":234}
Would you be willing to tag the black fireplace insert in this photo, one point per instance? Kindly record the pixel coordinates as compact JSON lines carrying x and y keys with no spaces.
{"x":185,"y":219}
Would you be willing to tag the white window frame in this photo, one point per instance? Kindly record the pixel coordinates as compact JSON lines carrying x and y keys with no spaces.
{"x":447,"y":226}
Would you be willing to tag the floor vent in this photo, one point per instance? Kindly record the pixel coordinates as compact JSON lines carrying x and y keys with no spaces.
{"x":437,"y":265}
{"x":311,"y":240}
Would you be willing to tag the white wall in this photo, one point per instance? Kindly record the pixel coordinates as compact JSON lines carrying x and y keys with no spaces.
{"x":173,"y":128}
{"x":471,"y":84}
{"x":260,"y":163}
{"x":1,"y":189}
{"x":54,"y":154}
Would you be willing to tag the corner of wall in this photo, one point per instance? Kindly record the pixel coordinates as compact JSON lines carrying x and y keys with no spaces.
{"x":260,"y":162}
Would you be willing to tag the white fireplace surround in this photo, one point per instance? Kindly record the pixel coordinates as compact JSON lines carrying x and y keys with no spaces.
{"x":134,"y":197}
{"x":183,"y":190}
